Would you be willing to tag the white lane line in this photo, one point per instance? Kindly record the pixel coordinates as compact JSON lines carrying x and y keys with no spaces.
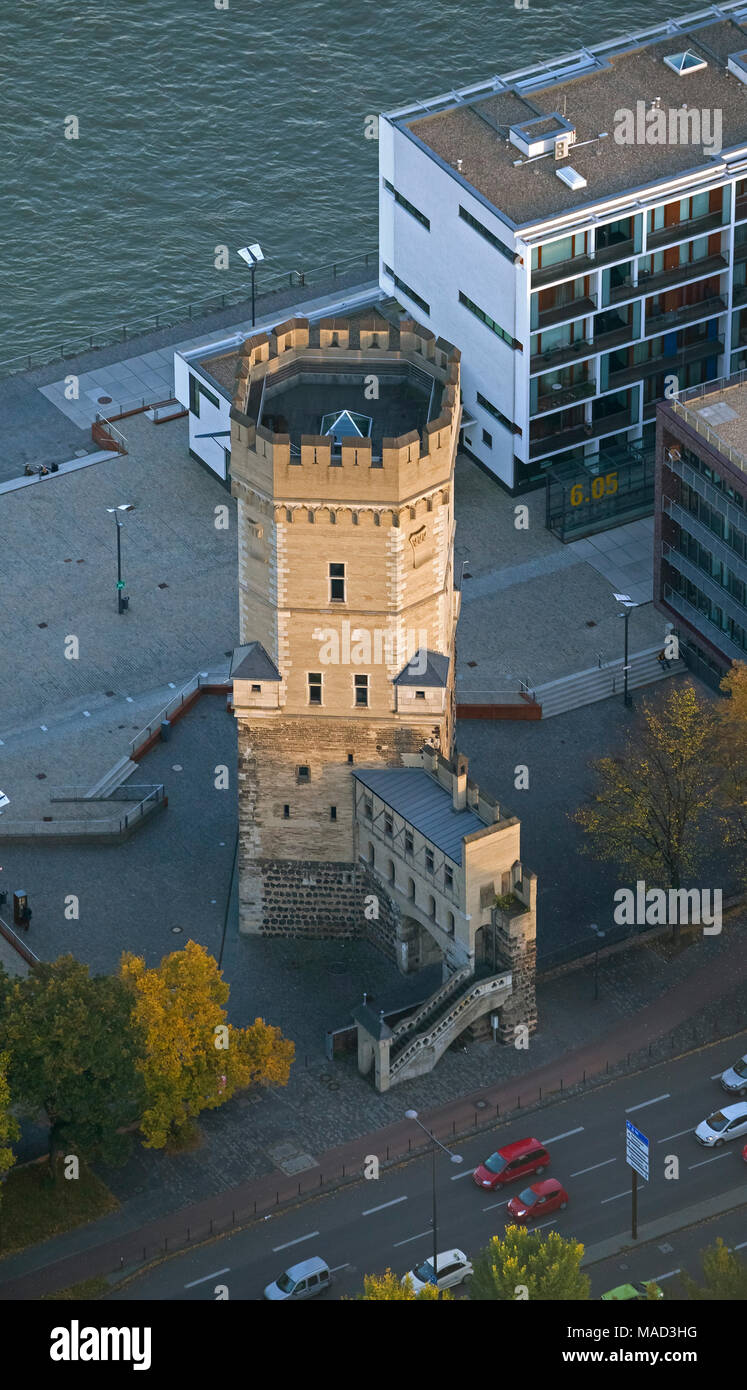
{"x":626,"y":1193}
{"x":336,"y":1268}
{"x":495,"y":1204}
{"x":289,"y":1243}
{"x":205,"y":1277}
{"x":542,"y":1225}
{"x":717,"y":1076}
{"x":557,"y":1137}
{"x":669,"y":1275}
{"x":703,"y":1161}
{"x":394,"y":1203}
{"x":678,"y":1135}
{"x":420,"y":1236}
{"x":739,"y":1247}
{"x":580,"y":1171}
{"x":458,"y":1176}
{"x":644,"y":1103}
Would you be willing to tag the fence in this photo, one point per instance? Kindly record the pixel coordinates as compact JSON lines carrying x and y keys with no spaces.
{"x":20,"y":831}
{"x":179,"y":314}
{"x":177,"y":705}
{"x":14,"y":940}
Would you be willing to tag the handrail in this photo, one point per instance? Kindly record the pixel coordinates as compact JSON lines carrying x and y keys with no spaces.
{"x":10,"y":829}
{"x":172,"y":317}
{"x":479,"y":989}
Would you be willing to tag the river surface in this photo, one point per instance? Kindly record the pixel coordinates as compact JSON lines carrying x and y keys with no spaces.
{"x":202,"y":127}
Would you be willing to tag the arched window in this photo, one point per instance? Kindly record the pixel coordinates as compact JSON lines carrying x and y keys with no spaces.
{"x":390,"y":870}
{"x":411,"y":889}
{"x":371,"y":853}
{"x":451,"y":923}
{"x":432,"y":908}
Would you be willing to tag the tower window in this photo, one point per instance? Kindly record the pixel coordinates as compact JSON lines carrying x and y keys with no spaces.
{"x":286,"y":812}
{"x":429,"y":860}
{"x":256,"y":690}
{"x":388,"y":825}
{"x":361,"y":690}
{"x":408,"y":842}
{"x":303,"y":773}
{"x":337,"y":583}
{"x":333,"y":813}
{"x":315,"y":687}
{"x":368,"y":808}
{"x":350,"y":758}
{"x":448,"y":877}
{"x":419,"y":694}
{"x":450,"y":925}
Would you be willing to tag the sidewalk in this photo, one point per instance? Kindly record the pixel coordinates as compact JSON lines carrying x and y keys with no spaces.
{"x":68,"y":1259}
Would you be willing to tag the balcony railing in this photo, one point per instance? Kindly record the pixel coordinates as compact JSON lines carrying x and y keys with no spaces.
{"x":573,"y":309}
{"x":565,"y":439}
{"x":692,"y":352}
{"x":740,"y":209}
{"x":700,"y":532}
{"x":703,"y":625}
{"x":559,"y":396}
{"x":687,"y":313}
{"x":723,"y":598}
{"x":683,"y":231}
{"x":574,"y":266}
{"x":649,"y":283}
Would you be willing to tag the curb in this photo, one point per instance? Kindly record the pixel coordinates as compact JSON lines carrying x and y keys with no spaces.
{"x":667,"y":1225}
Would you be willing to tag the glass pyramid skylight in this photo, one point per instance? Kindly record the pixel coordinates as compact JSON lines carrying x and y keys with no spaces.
{"x":682,"y":63}
{"x":343,"y":424}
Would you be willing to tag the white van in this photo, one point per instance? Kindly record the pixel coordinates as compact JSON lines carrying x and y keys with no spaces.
{"x":300,"y":1281}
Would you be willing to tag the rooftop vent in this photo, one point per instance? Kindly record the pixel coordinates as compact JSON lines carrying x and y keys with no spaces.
{"x":572,"y":178}
{"x":685,"y":63}
{"x":737,"y":65}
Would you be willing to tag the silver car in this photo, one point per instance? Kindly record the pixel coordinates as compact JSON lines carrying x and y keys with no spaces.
{"x":729,"y":1123}
{"x":734,"y":1079}
{"x":303,"y":1280}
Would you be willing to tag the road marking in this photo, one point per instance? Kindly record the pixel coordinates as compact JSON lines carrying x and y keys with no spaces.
{"x":458,"y":1176}
{"x":580,"y":1171}
{"x":542,"y":1225}
{"x":614,"y":1199}
{"x":669,"y":1275}
{"x":717,"y":1076}
{"x":495,"y":1204}
{"x":644,"y":1103}
{"x":205,"y":1277}
{"x":288,"y":1243}
{"x":678,"y":1135}
{"x":739,"y":1247}
{"x":394,"y":1202}
{"x":336,"y":1268}
{"x":409,"y":1238}
{"x":703,"y":1161}
{"x":557,"y":1137}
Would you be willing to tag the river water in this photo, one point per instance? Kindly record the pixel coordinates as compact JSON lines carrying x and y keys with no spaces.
{"x":201,"y":127}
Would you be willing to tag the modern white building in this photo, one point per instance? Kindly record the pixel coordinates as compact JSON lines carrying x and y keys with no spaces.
{"x":579,"y":230}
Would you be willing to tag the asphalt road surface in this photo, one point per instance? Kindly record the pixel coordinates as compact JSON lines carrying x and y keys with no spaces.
{"x":387,"y":1222}
{"x":663,"y":1259}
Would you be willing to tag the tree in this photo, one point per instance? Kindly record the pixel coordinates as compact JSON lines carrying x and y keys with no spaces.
{"x":8,"y":1125}
{"x":388,"y":1287}
{"x":192,"y":1059}
{"x":724,"y":1276}
{"x":525,"y":1264}
{"x":72,"y":1054}
{"x":732,"y":759}
{"x":650,"y":804}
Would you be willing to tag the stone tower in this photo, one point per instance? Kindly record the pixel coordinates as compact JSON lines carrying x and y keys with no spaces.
{"x":343,"y":442}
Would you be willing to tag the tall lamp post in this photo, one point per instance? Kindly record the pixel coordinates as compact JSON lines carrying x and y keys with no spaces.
{"x":600,"y":937}
{"x":628,"y":605}
{"x":122,"y":602}
{"x":455,"y":1158}
{"x":252,"y":255}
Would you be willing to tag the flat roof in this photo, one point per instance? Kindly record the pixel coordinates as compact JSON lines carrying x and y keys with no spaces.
{"x":718,"y":410}
{"x":589,"y":88}
{"x":424,"y":804}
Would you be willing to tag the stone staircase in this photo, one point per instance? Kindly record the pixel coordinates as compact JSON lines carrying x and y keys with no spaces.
{"x":111,"y":779}
{"x":420,"y":1040}
{"x":600,"y":682}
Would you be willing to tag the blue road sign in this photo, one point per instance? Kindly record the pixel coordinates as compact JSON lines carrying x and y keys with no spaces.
{"x":636,"y":1149}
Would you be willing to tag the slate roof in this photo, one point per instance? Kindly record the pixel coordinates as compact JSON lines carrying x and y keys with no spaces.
{"x":251,"y":663}
{"x":425,"y":805}
{"x":436,"y":671}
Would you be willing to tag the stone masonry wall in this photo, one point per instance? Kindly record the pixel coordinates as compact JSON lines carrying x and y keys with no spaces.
{"x":323,"y":900}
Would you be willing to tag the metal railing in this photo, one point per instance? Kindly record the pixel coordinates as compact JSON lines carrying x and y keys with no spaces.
{"x":113,"y":827}
{"x":14,"y":940}
{"x":177,"y":314}
{"x":710,"y":389}
{"x":175,"y":703}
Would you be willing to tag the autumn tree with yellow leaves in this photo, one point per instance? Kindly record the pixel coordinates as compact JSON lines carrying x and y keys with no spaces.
{"x":9,"y":1129}
{"x":524,"y":1264}
{"x":191,"y":1059}
{"x":389,"y":1288}
{"x":651,"y":803}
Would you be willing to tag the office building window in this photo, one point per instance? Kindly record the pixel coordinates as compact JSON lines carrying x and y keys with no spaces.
{"x":361,"y":690}
{"x":315,"y":687}
{"x":337,"y":583}
{"x":487,"y":439}
{"x":489,"y":323}
{"x":489,"y":236}
{"x":409,"y":207}
{"x":407,"y":289}
{"x":497,"y":414}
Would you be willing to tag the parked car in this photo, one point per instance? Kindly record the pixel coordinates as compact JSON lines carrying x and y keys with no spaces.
{"x":734,"y":1079}
{"x":538,"y":1200}
{"x":516,"y":1160}
{"x":637,"y":1292}
{"x":728,"y":1123}
{"x":303,"y":1280}
{"x":453,"y":1269}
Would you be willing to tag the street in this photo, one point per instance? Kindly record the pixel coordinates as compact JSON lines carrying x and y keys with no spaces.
{"x":374,"y":1224}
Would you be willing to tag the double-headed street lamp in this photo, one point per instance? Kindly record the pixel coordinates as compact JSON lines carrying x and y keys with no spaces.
{"x":455,"y":1158}
{"x":628,"y":605}
{"x":252,"y":255}
{"x":122,"y":602}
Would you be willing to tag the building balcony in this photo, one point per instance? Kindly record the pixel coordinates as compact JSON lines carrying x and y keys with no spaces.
{"x":640,"y":371}
{"x":740,"y":209}
{"x":559,"y":396}
{"x":573,"y":309}
{"x":703,"y":625}
{"x":688,"y":313}
{"x":576,"y":266}
{"x":739,"y":296}
{"x":554,"y":441}
{"x":560,"y":357}
{"x":684,"y":231}
{"x":710,"y":494}
{"x":649,"y":283}
{"x":722,"y":597}
{"x":696,"y":528}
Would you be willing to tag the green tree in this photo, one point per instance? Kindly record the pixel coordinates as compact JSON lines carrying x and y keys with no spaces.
{"x":650,"y":804}
{"x":72,"y":1054}
{"x":724,"y":1276}
{"x":732,"y":758}
{"x":387,"y":1287}
{"x":192,"y":1059}
{"x":8,"y":1124}
{"x":524,"y":1264}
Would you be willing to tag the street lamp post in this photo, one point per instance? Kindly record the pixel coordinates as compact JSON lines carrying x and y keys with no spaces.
{"x":122,"y":602}
{"x":455,"y":1158}
{"x":628,"y":605}
{"x":252,"y":255}
{"x":599,"y":937}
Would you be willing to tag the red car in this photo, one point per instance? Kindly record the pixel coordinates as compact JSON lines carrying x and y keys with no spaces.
{"x":514,"y":1161}
{"x":538,"y":1200}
